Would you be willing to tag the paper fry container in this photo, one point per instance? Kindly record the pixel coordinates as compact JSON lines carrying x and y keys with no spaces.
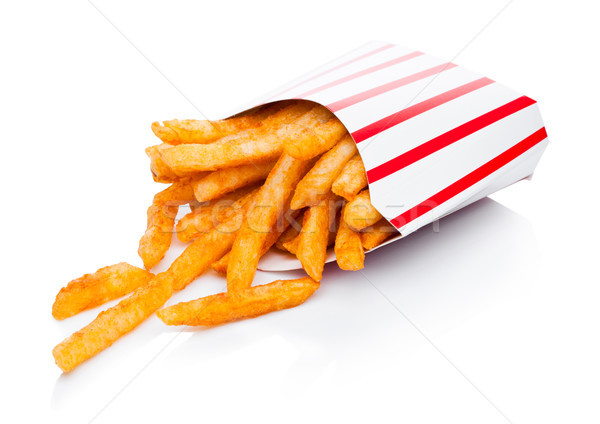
{"x":434,"y":137}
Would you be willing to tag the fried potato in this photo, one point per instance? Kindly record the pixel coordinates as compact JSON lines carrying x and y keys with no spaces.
{"x":288,"y":235}
{"x":316,"y":184}
{"x":111,"y":324}
{"x":160,"y":171}
{"x":248,"y":303}
{"x":376,"y":234}
{"x":161,"y":219}
{"x":312,"y":134}
{"x":204,"y":219}
{"x":269,"y":206}
{"x":92,"y":290}
{"x":351,"y":180}
{"x":206,"y":249}
{"x":221,"y":265}
{"x":178,"y":193}
{"x":223,"y":181}
{"x":314,"y":237}
{"x":204,"y":131}
{"x":360,"y":213}
{"x":349,"y":252}
{"x":254,"y":146}
{"x":156,"y":240}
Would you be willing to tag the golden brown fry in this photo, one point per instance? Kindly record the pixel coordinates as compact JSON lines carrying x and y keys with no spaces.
{"x":314,"y":133}
{"x":178,"y":193}
{"x":254,"y":146}
{"x":376,"y":234}
{"x":269,"y":206}
{"x":206,"y":249}
{"x":160,"y":171}
{"x":248,"y":303}
{"x":161,"y":218}
{"x":156,"y":240}
{"x":223,"y":181}
{"x":200,"y":131}
{"x":349,"y":252}
{"x":316,"y":184}
{"x":314,"y":237}
{"x":111,"y":324}
{"x":204,"y":131}
{"x":360,"y":213}
{"x":292,"y":245}
{"x":92,"y":290}
{"x":204,"y":219}
{"x":288,"y":235}
{"x":221,"y":265}
{"x":351,"y":180}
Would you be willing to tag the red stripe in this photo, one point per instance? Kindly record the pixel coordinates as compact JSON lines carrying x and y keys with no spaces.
{"x":470,"y":179}
{"x":357,"y":98}
{"x":356,"y":59}
{"x":444,"y":140}
{"x":361,"y":73}
{"x":412,"y":111}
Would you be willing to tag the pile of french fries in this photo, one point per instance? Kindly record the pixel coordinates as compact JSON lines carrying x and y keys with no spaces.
{"x":285,"y":175}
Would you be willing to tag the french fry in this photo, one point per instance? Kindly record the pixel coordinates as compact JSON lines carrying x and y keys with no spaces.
{"x":113,"y":323}
{"x":223,"y":181}
{"x":204,"y":131}
{"x":314,"y":237}
{"x":351,"y":180}
{"x":349,"y":252}
{"x":207,"y":248}
{"x":161,"y":219}
{"x":316,"y":184}
{"x":248,"y":303}
{"x":360,"y":213}
{"x":204,"y":219}
{"x":292,"y":245}
{"x":156,"y":240}
{"x":269,"y":206}
{"x":288,"y":235}
{"x":312,"y":134}
{"x":161,"y":173}
{"x":95,"y":289}
{"x":376,"y":234}
{"x":254,"y":146}
{"x":221,"y":265}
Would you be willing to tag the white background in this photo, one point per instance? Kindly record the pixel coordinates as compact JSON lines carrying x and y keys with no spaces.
{"x":493,"y":319}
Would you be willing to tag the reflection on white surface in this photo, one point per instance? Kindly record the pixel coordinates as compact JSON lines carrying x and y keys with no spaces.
{"x":346,"y":334}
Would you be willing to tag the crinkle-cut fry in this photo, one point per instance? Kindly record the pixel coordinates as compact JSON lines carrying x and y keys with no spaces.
{"x":91,"y":290}
{"x":349,"y":252}
{"x":261,"y":144}
{"x":113,"y":323}
{"x":270,"y":204}
{"x":313,"y":133}
{"x":204,"y":131}
{"x":376,"y":234}
{"x":248,"y":303}
{"x":223,"y":181}
{"x":316,"y":184}
{"x":314,"y":237}
{"x":161,"y":173}
{"x":360,"y":213}
{"x":351,"y":180}
{"x":204,"y":219}
{"x":221,"y":265}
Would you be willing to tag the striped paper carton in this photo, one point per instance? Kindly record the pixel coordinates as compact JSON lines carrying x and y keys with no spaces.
{"x":434,"y":137}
